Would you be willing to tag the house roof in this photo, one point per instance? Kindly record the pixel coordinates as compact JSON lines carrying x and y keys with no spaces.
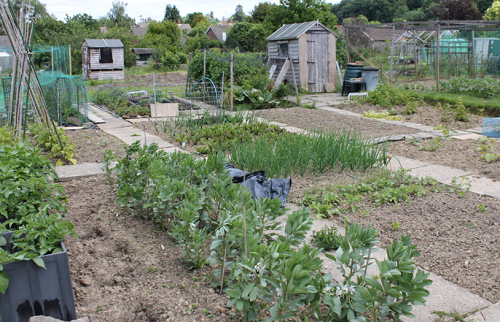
{"x":294,"y":31}
{"x":382,"y":34}
{"x":139,"y":31}
{"x":218,"y":30}
{"x":103,"y":43}
{"x":142,"y":51}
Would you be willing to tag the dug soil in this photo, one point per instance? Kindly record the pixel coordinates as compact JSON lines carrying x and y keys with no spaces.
{"x":125,"y":269}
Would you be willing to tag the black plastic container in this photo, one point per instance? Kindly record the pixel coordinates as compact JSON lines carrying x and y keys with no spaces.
{"x":36,"y":291}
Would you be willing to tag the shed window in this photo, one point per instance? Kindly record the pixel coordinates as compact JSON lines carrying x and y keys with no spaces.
{"x":283,"y":50}
{"x":106,"y":56}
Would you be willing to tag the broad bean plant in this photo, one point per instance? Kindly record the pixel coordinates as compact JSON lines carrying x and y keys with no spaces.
{"x":264,"y":267}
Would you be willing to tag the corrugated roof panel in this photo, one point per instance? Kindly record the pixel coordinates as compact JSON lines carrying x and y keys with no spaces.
{"x":293,"y":31}
{"x":102,"y":43}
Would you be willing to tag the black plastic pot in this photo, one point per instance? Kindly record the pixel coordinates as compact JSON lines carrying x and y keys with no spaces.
{"x":36,"y":291}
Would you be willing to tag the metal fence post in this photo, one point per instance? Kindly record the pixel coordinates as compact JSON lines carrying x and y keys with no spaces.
{"x":232,"y":89}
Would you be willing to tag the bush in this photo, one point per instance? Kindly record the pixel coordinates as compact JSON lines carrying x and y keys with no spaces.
{"x":249,"y":71}
{"x":387,"y":95}
{"x":487,"y":88}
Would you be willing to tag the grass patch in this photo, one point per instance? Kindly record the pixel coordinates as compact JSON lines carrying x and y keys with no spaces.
{"x":474,"y":104}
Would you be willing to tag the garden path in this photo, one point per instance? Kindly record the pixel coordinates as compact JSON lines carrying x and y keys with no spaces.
{"x":444,"y":296}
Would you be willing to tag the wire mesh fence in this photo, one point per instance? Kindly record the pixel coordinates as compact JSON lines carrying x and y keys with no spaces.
{"x":66,"y":96}
{"x":427,"y":50}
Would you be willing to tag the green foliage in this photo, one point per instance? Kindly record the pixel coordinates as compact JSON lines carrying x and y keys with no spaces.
{"x":486,"y":88}
{"x":282,"y":91}
{"x":327,"y":238}
{"x":26,"y":182}
{"x":258,"y":269}
{"x":249,"y":70}
{"x":381,"y":115}
{"x":247,"y":36}
{"x":379,"y":190}
{"x":460,"y":112}
{"x":254,"y":99}
{"x":172,"y":13}
{"x":58,"y":145}
{"x":30,"y":205}
{"x":388,"y":95}
{"x":295,"y":11}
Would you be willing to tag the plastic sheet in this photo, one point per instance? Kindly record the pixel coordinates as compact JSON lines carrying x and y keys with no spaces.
{"x":260,"y":186}
{"x":491,"y":127}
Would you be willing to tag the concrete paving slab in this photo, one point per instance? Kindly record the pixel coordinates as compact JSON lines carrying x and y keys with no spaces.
{"x":94,"y":118}
{"x":468,"y":136}
{"x":485,"y":186}
{"x":477,"y":130}
{"x":444,"y":296}
{"x":398,"y":162}
{"x":489,"y":314}
{"x":440,"y":173}
{"x":78,"y":171}
{"x":113,"y":123}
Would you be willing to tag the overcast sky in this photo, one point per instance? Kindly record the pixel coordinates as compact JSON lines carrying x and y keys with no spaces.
{"x":149,"y":8}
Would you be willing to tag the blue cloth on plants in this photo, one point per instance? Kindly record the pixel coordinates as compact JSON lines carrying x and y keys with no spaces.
{"x":260,"y":186}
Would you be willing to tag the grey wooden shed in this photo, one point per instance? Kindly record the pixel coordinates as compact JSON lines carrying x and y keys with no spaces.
{"x":308,"y":47}
{"x":103,"y":59}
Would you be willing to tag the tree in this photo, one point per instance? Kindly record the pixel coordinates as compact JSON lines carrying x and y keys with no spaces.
{"x":196,"y":19}
{"x":295,"y":11}
{"x":172,"y":13}
{"x":239,"y":15}
{"x":261,"y":11}
{"x":483,"y":5}
{"x":117,"y":16}
{"x":493,"y":13}
{"x":457,"y":10}
{"x":247,"y":36}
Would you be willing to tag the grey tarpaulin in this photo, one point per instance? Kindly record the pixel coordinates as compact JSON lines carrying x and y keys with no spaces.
{"x":259,"y":186}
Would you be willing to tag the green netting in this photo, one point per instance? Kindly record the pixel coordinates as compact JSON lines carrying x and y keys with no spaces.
{"x":66,"y":96}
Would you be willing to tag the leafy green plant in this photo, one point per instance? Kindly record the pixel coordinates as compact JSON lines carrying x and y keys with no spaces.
{"x":327,"y":238}
{"x":460,"y":111}
{"x":432,"y":145}
{"x":381,"y":115}
{"x":58,"y":145}
{"x":411,"y":108}
{"x":487,"y":149}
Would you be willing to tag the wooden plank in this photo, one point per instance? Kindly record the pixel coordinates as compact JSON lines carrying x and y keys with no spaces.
{"x":282,"y":74}
{"x":164,"y":109}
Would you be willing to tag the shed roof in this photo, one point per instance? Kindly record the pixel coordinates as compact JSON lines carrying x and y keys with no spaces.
{"x":294,"y":31}
{"x":102,"y":43}
{"x":142,"y":51}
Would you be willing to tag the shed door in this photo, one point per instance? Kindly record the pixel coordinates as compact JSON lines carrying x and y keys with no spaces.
{"x":317,"y":61}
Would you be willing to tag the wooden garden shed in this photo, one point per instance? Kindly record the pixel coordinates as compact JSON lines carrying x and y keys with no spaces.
{"x":103,"y":59}
{"x":308,"y":47}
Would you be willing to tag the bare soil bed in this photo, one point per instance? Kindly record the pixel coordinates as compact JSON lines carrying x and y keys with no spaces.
{"x":454,"y":153}
{"x":124,"y":269}
{"x":426,"y":115}
{"x":91,"y":143}
{"x":314,"y":119}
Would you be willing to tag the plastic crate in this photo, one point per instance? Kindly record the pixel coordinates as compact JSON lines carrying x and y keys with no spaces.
{"x":36,"y":291}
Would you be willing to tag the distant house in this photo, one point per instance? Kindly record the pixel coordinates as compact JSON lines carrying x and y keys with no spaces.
{"x":218,"y":32}
{"x":103,"y":59}
{"x":185,"y":28}
{"x":306,"y":51}
{"x":141,"y":29}
{"x":103,"y":29}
